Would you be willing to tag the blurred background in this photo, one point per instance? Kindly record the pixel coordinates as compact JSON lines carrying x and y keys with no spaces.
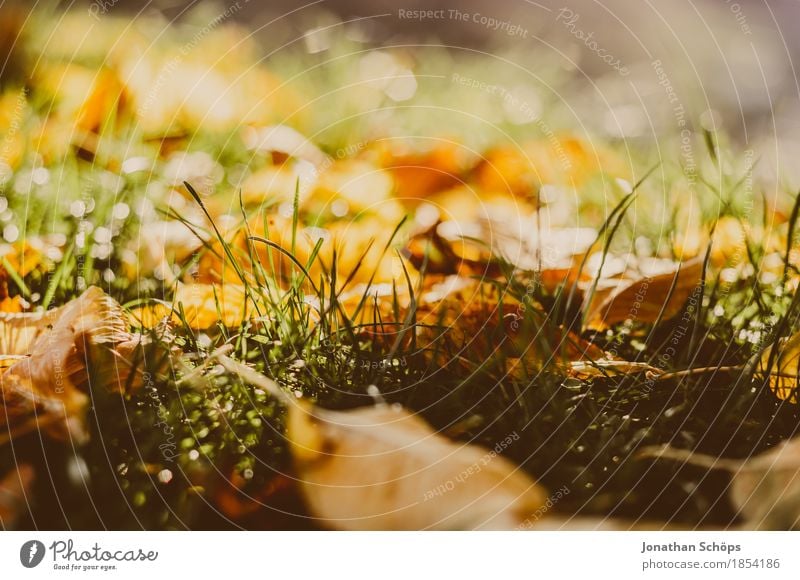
{"x":621,"y":69}
{"x":735,"y":57}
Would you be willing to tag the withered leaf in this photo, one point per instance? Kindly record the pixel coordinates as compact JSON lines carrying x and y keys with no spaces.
{"x":646,"y":299}
{"x":387,"y":469}
{"x":430,"y":251}
{"x":380,"y":468}
{"x":765,"y":489}
{"x":63,"y":348}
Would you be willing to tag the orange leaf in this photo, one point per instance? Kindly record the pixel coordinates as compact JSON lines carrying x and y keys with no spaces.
{"x":645,"y":299}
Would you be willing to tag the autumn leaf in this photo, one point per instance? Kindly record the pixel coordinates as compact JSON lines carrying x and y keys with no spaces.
{"x":236,"y":501}
{"x":204,"y":305}
{"x":48,"y":387}
{"x":418,"y":174}
{"x":646,"y":299}
{"x":381,"y":468}
{"x":779,"y":364}
{"x":764,"y":489}
{"x":430,"y":251}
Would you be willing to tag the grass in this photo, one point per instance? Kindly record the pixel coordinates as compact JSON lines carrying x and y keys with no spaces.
{"x":582,"y":434}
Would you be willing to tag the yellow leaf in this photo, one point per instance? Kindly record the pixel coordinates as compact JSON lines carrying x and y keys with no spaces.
{"x":783,"y":373}
{"x":203,"y":306}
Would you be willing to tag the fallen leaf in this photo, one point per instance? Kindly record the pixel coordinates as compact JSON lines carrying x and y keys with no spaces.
{"x":418,"y":174}
{"x":204,"y":305}
{"x":381,"y":468}
{"x":481,"y":247}
{"x":437,"y":255}
{"x":47,"y":388}
{"x":646,"y":299}
{"x":236,"y":501}
{"x":765,"y":489}
{"x":779,"y":363}
{"x":387,"y":469}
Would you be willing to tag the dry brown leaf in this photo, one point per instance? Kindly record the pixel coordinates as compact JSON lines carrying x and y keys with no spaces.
{"x":47,"y":388}
{"x":386,"y":469}
{"x":438,"y":255}
{"x":783,"y":372}
{"x":552,"y":255}
{"x":646,"y":299}
{"x":473,"y":316}
{"x":236,"y":501}
{"x":19,"y":330}
{"x":9,"y":360}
